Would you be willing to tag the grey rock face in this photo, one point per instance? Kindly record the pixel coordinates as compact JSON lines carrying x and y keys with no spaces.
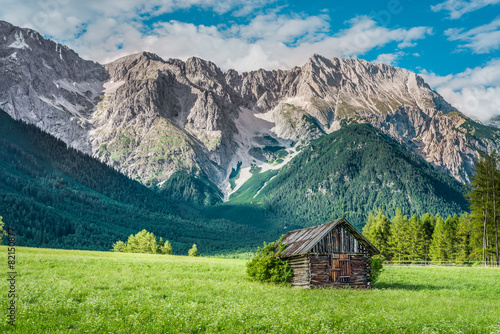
{"x":150,"y":117}
{"x":158,"y":117}
{"x":47,"y":84}
{"x":317,"y":98}
{"x":494,"y":121}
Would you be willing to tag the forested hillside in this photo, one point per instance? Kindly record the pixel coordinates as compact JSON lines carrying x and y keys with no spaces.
{"x":350,"y":173}
{"x":57,"y":197}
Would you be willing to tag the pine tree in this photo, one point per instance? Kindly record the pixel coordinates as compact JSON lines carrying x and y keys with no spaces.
{"x":428,"y":223}
{"x":378,"y":230}
{"x":443,"y":245}
{"x":400,"y":237}
{"x":417,"y":238}
{"x":437,"y":247}
{"x":450,"y":225}
{"x":483,"y":196}
{"x":465,"y":230}
{"x":496,"y":198}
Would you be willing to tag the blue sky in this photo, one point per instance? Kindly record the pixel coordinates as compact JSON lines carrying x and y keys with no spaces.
{"x":453,"y":44}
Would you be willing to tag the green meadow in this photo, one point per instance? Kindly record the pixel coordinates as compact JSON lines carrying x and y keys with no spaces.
{"x":61,"y":291}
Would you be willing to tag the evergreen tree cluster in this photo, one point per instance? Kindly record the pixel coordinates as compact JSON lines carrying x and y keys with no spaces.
{"x":425,"y":238}
{"x":352,"y":172}
{"x":484,"y":196}
{"x":57,"y":197}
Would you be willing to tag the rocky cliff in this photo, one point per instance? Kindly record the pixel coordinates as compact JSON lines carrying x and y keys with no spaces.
{"x":49,"y":85}
{"x":149,"y":117}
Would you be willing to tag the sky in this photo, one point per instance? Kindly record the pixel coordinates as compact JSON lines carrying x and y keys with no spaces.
{"x":453,"y":44}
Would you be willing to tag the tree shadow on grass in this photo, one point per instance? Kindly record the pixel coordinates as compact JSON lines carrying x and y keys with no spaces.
{"x":406,"y":286}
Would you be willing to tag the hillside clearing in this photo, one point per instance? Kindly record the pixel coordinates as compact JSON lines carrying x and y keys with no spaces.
{"x":62,"y":291}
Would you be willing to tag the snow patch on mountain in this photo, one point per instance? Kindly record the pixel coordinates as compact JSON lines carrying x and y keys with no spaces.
{"x":148,"y":117}
{"x":19,"y":43}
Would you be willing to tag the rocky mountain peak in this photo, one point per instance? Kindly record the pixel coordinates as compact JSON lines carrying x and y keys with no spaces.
{"x":47,"y":84}
{"x":195,"y":66}
{"x":495,"y":121}
{"x":150,"y":117}
{"x":22,"y":44}
{"x":317,"y":62}
{"x":136,"y":66}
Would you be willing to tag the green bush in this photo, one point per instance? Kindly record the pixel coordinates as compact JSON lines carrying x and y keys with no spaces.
{"x":268,"y":266}
{"x":376,"y":268}
{"x":193,"y":251}
{"x":166,"y":248}
{"x":119,"y":246}
{"x":143,"y":242}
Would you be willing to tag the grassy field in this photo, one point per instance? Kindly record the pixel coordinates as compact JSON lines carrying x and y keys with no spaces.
{"x":97,"y":292}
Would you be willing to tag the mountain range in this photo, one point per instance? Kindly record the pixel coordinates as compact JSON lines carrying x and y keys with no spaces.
{"x":229,"y":142}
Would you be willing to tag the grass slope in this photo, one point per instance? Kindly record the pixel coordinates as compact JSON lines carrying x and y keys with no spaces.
{"x":349,"y":173}
{"x":95,"y":292}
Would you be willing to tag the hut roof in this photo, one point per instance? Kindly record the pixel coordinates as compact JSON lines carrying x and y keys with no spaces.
{"x":303,"y":240}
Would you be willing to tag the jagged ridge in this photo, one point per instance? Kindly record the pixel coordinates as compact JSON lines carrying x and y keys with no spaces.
{"x":150,"y":117}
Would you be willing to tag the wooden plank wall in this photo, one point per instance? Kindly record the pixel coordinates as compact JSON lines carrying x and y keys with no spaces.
{"x":301,"y":273}
{"x":338,"y":259}
{"x":320,"y":270}
{"x":338,"y":240}
{"x":320,"y":267}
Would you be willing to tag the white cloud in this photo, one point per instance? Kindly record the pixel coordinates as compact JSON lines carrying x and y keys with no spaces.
{"x":457,"y":8}
{"x":482,"y":39}
{"x":104,"y":32}
{"x":389,"y":58}
{"x":475,"y":92}
{"x":68,"y":18}
{"x":414,"y":34}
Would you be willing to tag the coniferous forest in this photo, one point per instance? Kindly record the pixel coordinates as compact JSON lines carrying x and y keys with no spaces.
{"x":58,"y":197}
{"x":469,"y":237}
{"x":352,"y":172}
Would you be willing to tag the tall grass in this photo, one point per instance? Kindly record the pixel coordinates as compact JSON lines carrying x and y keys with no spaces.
{"x":98,"y":292}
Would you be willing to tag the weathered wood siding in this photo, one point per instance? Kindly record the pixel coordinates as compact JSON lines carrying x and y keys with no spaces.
{"x":301,"y":272}
{"x":338,"y":240}
{"x":333,"y":256}
{"x":321,"y":271}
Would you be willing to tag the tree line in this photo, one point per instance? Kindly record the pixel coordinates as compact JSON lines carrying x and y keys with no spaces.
{"x":469,"y":237}
{"x":484,"y":198}
{"x":147,"y":243}
{"x":345,"y":174}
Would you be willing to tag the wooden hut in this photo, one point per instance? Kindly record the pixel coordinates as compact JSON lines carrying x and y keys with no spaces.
{"x":332,"y":254}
